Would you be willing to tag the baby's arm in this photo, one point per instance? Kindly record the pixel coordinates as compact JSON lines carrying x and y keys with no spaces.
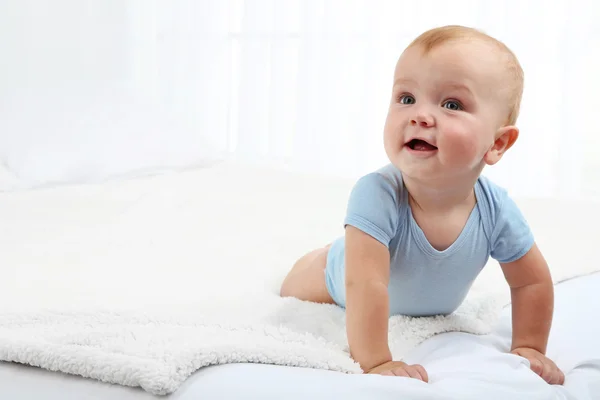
{"x":367,"y":307}
{"x":532,"y":294}
{"x":367,"y":301}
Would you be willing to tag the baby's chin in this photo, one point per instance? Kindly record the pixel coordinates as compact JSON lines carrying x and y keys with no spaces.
{"x":429,"y":171}
{"x":416,"y":170}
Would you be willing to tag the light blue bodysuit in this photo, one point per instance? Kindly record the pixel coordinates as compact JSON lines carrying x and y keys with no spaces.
{"x":423,"y":280}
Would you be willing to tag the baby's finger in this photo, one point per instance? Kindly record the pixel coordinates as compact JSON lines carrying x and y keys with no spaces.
{"x":422,"y":372}
{"x":536,"y":366}
{"x":558,"y":378}
{"x":400,"y":372}
{"x":548,"y":370}
{"x":414,"y":373}
{"x":551,"y":372}
{"x":561,"y":377}
{"x":550,"y":377}
{"x":386,"y":373}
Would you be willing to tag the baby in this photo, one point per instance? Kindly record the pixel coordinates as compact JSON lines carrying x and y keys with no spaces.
{"x":419,"y":230}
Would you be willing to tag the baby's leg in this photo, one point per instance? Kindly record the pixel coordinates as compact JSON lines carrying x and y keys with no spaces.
{"x":306,"y":280}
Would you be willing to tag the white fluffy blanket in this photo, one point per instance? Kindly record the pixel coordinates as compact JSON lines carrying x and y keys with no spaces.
{"x":141,"y":283}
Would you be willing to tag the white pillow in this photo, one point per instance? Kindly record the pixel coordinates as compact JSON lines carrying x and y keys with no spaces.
{"x":76,"y":135}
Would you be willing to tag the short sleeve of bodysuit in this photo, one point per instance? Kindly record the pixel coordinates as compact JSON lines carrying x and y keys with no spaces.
{"x":512,"y":237}
{"x":373,"y":207}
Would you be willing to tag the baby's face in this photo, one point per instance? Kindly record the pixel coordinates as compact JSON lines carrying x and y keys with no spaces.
{"x":445,"y":110}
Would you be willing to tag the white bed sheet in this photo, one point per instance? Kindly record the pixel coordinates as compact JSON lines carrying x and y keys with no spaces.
{"x":460,"y":366}
{"x":60,"y":245}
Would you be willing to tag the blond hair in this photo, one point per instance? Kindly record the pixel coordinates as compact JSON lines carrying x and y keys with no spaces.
{"x":438,"y":36}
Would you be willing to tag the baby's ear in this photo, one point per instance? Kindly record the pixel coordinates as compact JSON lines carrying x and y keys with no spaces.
{"x":505,"y":138}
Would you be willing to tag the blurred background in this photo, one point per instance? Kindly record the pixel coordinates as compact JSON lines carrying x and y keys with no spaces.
{"x":91,"y":88}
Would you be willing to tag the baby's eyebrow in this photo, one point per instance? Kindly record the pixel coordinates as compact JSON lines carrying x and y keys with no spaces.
{"x":447,"y":85}
{"x":402,"y":80}
{"x":458,"y":86}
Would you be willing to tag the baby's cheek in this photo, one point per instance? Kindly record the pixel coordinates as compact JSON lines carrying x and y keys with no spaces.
{"x":393,"y":138}
{"x":461,"y":147}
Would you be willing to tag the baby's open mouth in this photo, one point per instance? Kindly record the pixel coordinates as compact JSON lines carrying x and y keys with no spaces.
{"x":420,"y":145}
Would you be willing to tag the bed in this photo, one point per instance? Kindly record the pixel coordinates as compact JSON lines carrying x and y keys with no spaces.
{"x":212,"y":238}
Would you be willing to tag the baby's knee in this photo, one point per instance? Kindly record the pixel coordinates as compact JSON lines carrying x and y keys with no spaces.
{"x":291,"y":286}
{"x":288,"y":286}
{"x":284,"y":290}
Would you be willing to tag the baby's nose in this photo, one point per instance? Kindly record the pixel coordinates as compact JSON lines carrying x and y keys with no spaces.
{"x":422,"y":116}
{"x":422,"y":120}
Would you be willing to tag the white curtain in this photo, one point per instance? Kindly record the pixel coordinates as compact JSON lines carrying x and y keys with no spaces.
{"x":306,"y":84}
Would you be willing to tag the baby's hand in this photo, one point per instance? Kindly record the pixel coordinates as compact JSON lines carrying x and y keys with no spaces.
{"x":399,"y":368}
{"x":541,"y":365}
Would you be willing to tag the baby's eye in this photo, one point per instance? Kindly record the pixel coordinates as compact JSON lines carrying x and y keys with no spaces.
{"x":452,"y":105}
{"x":407,"y":99}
